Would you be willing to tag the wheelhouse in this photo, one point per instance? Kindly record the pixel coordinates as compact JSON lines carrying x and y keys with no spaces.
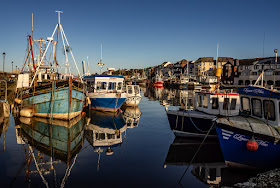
{"x":261,"y":103}
{"x":104,"y":83}
{"x":225,"y":104}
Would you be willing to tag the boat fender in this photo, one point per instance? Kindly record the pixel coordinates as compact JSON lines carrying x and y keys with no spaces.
{"x":84,"y":114}
{"x":88,"y":100}
{"x":18,"y":101}
{"x":26,"y":112}
{"x":252,"y":145}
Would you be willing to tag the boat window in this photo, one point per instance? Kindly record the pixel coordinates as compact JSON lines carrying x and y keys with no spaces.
{"x":103,"y":85}
{"x":110,"y":136}
{"x":136,"y":90}
{"x":112,"y":86}
{"x":199,"y":103}
{"x":257,"y":107}
{"x":205,"y":101}
{"x":100,"y":136}
{"x":129,"y":89}
{"x":233,"y":104}
{"x":245,"y":102}
{"x":98,"y":85}
{"x":119,"y":85}
{"x":215,"y":103}
{"x":269,"y":110}
{"x":226,"y":103}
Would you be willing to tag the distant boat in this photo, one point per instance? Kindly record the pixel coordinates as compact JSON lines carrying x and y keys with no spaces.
{"x":251,"y":140}
{"x":105,"y":92}
{"x":133,"y":95}
{"x":157,"y":82}
{"x":49,"y":93}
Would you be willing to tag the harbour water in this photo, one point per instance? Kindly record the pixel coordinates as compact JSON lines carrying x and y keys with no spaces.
{"x":34,"y":153}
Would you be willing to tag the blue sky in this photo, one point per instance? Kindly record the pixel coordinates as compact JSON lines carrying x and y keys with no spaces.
{"x":142,"y":33}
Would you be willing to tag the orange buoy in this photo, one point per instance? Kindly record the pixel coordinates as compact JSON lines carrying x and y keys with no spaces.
{"x":252,"y":145}
{"x":84,"y":114}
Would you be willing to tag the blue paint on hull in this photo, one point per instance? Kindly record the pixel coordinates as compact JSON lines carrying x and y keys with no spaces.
{"x":42,"y":102}
{"x":233,"y":145}
{"x":107,"y":104}
{"x":61,"y":138}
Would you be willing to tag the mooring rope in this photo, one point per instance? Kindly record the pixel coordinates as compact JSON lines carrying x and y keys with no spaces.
{"x":197,"y":151}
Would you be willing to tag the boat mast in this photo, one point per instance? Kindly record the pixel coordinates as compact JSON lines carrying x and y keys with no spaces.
{"x":100,"y":63}
{"x":63,"y":36}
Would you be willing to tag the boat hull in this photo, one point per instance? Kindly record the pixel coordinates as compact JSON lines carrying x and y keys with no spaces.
{"x":67,"y":103}
{"x":191,"y":124}
{"x":107,"y":101}
{"x":236,"y":154}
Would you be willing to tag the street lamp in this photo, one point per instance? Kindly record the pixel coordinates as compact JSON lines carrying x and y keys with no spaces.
{"x":12,"y":65}
{"x":275,"y":51}
{"x":4,"y":54}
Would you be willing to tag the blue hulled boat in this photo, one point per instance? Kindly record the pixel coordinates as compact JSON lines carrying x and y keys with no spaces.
{"x":42,"y":90}
{"x":252,"y":139}
{"x":105,"y":92}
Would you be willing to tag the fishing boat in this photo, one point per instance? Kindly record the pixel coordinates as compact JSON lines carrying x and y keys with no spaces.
{"x":42,"y":90}
{"x":105,"y":92}
{"x":189,"y":83}
{"x":251,"y":140}
{"x":133,"y":95}
{"x":207,"y":106}
{"x":157,"y":81}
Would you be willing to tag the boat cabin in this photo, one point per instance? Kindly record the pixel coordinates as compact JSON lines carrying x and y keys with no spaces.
{"x":133,"y":90}
{"x":217,"y":103}
{"x":104,"y":83}
{"x":261,"y":103}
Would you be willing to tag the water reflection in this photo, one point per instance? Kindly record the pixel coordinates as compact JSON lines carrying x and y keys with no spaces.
{"x":131,"y":116}
{"x":48,"y":144}
{"x":104,"y":131}
{"x":170,"y":97}
{"x":208,"y":165}
{"x":3,"y":130}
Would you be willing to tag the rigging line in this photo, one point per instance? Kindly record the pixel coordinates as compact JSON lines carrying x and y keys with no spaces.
{"x":213,"y":123}
{"x":39,"y":171}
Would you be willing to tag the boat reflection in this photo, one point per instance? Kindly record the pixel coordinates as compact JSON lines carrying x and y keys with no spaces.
{"x":131,"y":116}
{"x":48,"y":142}
{"x":3,"y":130}
{"x":104,"y":131}
{"x":170,"y":97}
{"x":208,"y":165}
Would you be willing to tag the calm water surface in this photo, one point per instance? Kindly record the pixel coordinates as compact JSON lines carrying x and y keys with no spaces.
{"x":103,"y":150}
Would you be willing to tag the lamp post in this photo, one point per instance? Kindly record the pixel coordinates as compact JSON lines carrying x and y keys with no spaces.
{"x":4,"y":54}
{"x":12,"y":65}
{"x":275,"y":51}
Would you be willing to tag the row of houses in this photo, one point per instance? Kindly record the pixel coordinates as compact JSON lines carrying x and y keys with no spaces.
{"x":234,"y":71}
